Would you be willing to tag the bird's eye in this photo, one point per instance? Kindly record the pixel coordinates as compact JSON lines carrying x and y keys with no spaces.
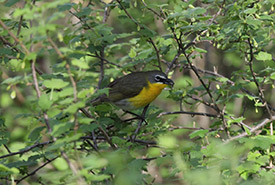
{"x":158,"y":78}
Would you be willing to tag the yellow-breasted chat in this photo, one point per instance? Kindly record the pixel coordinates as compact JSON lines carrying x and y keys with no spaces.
{"x":135,"y":90}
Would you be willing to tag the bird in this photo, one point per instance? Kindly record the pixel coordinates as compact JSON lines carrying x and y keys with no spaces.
{"x":135,"y":90}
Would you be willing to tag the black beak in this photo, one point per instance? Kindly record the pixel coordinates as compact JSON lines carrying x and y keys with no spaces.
{"x":169,"y":82}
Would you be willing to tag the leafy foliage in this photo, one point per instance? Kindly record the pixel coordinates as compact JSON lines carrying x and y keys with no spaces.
{"x":56,"y":56}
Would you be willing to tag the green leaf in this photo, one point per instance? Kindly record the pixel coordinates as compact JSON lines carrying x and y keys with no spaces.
{"x":64,"y":7}
{"x":247,"y":130}
{"x":200,"y":50}
{"x":263,"y":56}
{"x":55,"y":83}
{"x":60,"y":164}
{"x":200,"y":133}
{"x":68,"y":91}
{"x":272,"y":76}
{"x":4,"y":168}
{"x":132,"y":53}
{"x":62,"y":128}
{"x":167,"y":141}
{"x":74,"y":107}
{"x":104,"y":107}
{"x":9,"y":3}
{"x":81,"y":64}
{"x":36,"y":133}
{"x":93,"y":162}
{"x":44,"y":102}
{"x":13,"y":80}
{"x":31,"y":56}
{"x":88,"y":128}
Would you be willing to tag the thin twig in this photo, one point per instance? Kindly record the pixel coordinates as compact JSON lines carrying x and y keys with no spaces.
{"x":263,"y":123}
{"x":154,"y":12}
{"x":107,"y":61}
{"x":36,"y":170}
{"x":250,"y":62}
{"x":73,"y":168}
{"x":157,"y":52}
{"x":173,"y":62}
{"x":187,"y":128}
{"x":56,"y":48}
{"x":14,"y":37}
{"x":101,"y":76}
{"x":190,"y":113}
{"x":7,"y":148}
{"x":129,"y":15}
{"x":146,"y":142}
{"x":26,"y":149}
{"x":27,"y":52}
{"x":19,"y":25}
{"x":244,"y":90}
{"x":107,"y":137}
{"x":93,"y":146}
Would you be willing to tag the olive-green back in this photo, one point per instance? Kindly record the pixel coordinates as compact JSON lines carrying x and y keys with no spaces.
{"x":127,"y":86}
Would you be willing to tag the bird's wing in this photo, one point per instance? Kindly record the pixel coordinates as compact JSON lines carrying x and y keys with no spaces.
{"x":126,"y":87}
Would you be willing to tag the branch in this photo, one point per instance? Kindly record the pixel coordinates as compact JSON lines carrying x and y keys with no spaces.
{"x":173,"y":62}
{"x":107,"y":61}
{"x":26,"y":149}
{"x":157,"y":51}
{"x":263,"y":123}
{"x":19,"y":25}
{"x":27,"y":52}
{"x":190,"y":113}
{"x":73,"y":168}
{"x":129,"y":16}
{"x":244,"y":90}
{"x":14,"y":37}
{"x":250,"y":62}
{"x":133,"y":141}
{"x":154,"y":12}
{"x":108,"y":139}
{"x":36,"y":170}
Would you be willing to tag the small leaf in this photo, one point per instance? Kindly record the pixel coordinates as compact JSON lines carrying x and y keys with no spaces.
{"x":132,"y":53}
{"x":272,"y":76}
{"x":200,"y":133}
{"x":200,"y":50}
{"x":31,"y":56}
{"x":60,"y":164}
{"x":263,"y":56}
{"x":64,"y":7}
{"x":55,"y":83}
{"x":81,"y":64}
{"x":167,"y":141}
{"x":74,"y":107}
{"x":13,"y":94}
{"x":44,"y":102}
{"x":247,"y":130}
{"x":35,"y":134}
{"x":9,"y":3}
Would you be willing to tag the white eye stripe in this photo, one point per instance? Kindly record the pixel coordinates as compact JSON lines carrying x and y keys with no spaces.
{"x":159,"y":77}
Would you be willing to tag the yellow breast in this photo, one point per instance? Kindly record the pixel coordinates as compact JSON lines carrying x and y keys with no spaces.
{"x":147,"y":95}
